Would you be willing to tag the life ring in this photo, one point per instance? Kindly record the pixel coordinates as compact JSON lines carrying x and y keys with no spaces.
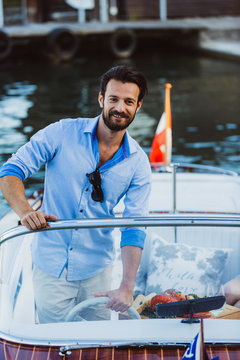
{"x":123,"y":43}
{"x":63,"y":44}
{"x":5,"y":45}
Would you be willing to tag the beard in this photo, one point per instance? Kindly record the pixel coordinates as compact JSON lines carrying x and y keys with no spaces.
{"x":112,"y":124}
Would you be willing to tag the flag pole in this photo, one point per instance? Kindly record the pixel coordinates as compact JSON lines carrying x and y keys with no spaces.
{"x":202,"y":352}
{"x":161,"y":149}
{"x":196,"y":350}
{"x":168,"y":133}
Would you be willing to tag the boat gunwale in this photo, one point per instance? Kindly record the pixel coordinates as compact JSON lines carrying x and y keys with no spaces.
{"x":7,"y":335}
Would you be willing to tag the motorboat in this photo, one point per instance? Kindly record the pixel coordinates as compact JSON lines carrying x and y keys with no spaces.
{"x":192,"y":248}
{"x":192,"y":245}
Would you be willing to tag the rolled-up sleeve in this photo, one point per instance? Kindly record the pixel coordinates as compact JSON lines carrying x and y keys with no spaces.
{"x":137,"y":202}
{"x":37,"y":152}
{"x":10,"y":169}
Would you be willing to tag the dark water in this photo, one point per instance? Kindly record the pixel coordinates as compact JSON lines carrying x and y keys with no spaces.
{"x":205,"y":103}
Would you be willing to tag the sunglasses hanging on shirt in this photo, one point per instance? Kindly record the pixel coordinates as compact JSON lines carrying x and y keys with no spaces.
{"x":95,"y":180}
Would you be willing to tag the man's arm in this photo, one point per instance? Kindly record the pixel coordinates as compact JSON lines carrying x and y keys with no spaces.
{"x":132,"y":240}
{"x":13,"y":190}
{"x":232,"y":292}
{"x":121,"y":299}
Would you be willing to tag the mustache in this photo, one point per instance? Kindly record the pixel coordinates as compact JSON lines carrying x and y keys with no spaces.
{"x":121,"y":114}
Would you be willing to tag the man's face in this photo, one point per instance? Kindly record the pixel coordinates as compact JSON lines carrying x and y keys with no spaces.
{"x":119,"y":104}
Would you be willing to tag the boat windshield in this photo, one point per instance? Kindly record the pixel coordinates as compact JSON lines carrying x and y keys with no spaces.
{"x":51,"y":277}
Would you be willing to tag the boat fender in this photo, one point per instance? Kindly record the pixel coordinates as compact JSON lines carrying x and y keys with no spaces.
{"x":123,"y":43}
{"x":63,"y":44}
{"x":5,"y":45}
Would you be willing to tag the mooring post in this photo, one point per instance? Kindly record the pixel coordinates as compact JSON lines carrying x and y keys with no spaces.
{"x":103,"y":4}
{"x":81,"y":6}
{"x":81,"y":16}
{"x":163,"y":9}
{"x":24,"y":12}
{"x":1,"y":14}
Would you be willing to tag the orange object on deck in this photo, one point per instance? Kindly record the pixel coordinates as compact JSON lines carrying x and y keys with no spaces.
{"x":161,"y":150}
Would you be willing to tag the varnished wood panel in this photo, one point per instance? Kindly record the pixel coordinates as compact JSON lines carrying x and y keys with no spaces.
{"x":12,"y":351}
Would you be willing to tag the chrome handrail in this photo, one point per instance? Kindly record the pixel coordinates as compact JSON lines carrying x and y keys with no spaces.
{"x":169,"y":220}
{"x":173,"y":168}
{"x":207,"y":168}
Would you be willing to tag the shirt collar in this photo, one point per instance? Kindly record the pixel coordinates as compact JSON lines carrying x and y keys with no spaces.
{"x":91,"y":126}
{"x":129,"y":144}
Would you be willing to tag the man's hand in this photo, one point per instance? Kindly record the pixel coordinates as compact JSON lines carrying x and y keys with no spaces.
{"x":13,"y":190}
{"x":34,"y":220}
{"x":119,"y":299}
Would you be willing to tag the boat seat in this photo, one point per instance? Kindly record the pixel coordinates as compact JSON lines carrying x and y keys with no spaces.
{"x":219,"y":247}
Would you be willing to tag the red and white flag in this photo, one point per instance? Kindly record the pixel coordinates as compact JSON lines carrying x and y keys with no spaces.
{"x":161,"y":149}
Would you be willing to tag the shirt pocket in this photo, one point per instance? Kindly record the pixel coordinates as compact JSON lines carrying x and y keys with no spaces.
{"x":114,"y":185}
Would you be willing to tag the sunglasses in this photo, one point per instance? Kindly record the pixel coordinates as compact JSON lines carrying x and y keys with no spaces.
{"x":95,"y":180}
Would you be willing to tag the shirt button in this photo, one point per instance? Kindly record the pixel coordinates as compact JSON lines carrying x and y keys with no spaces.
{"x":81,"y":210}
{"x":86,"y":190}
{"x":70,"y":249}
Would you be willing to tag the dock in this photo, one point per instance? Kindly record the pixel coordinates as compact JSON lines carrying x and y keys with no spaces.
{"x":216,"y":36}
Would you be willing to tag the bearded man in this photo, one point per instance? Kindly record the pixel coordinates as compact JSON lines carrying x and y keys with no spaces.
{"x":90,"y":164}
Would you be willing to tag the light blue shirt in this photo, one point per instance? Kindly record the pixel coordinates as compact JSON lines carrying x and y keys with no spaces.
{"x":69,"y":149}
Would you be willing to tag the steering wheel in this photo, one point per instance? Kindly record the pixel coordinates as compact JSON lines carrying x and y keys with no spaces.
{"x":95,"y":301}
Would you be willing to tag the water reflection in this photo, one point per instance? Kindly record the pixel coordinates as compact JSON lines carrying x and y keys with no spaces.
{"x":14,"y":106}
{"x":205,"y":104}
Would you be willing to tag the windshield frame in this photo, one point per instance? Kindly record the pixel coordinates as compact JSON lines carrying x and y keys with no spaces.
{"x":41,"y":334}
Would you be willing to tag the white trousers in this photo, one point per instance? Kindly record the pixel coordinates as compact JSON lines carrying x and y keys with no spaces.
{"x":56,"y":297}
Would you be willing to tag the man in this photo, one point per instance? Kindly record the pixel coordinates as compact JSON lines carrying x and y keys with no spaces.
{"x":90,"y":165}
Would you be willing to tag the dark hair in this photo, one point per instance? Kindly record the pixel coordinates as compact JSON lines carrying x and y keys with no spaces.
{"x":125,"y":74}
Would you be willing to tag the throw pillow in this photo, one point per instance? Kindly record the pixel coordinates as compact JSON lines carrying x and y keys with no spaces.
{"x":189,"y":269}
